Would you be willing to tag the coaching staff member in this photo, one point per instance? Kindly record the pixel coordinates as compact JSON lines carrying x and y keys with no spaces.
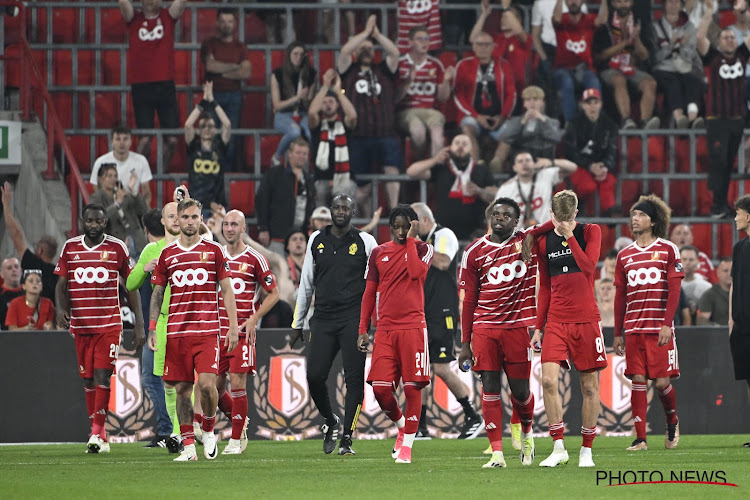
{"x":334,"y":270}
{"x":739,"y":296}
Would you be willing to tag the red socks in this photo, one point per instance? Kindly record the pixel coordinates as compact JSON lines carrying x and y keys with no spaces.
{"x":225,"y":404}
{"x":198,"y":419}
{"x":492,"y":410}
{"x":669,"y":401}
{"x":413,"y":395}
{"x":90,"y":404}
{"x":557,"y":430}
{"x":588,"y":433}
{"x":523,"y":412}
{"x":383,"y":392}
{"x":188,"y":437}
{"x":239,"y":412}
{"x":639,"y":406}
{"x":101,"y":406}
{"x":208,"y":423}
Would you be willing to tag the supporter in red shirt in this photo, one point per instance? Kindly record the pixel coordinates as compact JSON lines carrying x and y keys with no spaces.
{"x":681,"y":236}
{"x":414,"y":13}
{"x":151,"y":68}
{"x":31,"y":311}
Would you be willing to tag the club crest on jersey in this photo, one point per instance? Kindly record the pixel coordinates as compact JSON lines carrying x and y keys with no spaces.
{"x":352,"y":249}
{"x":204,"y":256}
{"x":518,"y":246}
{"x":564,"y":243}
{"x":243,"y":267}
{"x":655,"y":256}
{"x":104,"y":255}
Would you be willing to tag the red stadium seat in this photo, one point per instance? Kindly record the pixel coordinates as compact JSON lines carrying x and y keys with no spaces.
{"x":258,"y":63}
{"x":113,"y":27}
{"x":64,"y":25}
{"x":255,"y":28}
{"x":327,"y":60}
{"x":206,"y":27}
{"x":249,"y":150}
{"x":111,"y":73}
{"x":182,"y":67}
{"x":726,"y":18}
{"x":254,"y":110}
{"x":242,"y":196}
{"x":80,"y":145}
{"x":268,"y":145}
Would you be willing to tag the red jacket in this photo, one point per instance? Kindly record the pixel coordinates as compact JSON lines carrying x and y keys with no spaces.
{"x":466,"y":85}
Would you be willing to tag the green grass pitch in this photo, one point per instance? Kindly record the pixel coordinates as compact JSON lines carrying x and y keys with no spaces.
{"x":440,"y":469}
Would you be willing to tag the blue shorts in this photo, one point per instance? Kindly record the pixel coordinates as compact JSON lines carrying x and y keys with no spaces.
{"x":368,"y":155}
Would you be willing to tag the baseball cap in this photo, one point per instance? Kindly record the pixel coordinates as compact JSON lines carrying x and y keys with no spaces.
{"x":591,"y":94}
{"x":321,"y":213}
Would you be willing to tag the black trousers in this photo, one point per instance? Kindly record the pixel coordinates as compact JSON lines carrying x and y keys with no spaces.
{"x":327,"y":338}
{"x":724,"y":136}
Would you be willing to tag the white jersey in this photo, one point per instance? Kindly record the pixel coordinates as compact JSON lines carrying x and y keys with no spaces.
{"x":539,"y":192}
{"x":541,"y":15}
{"x":135,"y":162}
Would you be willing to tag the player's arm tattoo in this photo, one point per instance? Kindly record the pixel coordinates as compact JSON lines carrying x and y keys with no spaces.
{"x":157,"y":297}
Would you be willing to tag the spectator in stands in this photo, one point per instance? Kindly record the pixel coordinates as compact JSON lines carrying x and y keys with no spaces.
{"x":123,"y":210}
{"x":205,"y":149}
{"x":693,"y":283}
{"x":696,"y":9}
{"x":673,"y":65}
{"x":285,"y":198}
{"x":533,"y":185}
{"x":608,"y":264}
{"x":574,"y":63}
{"x":372,"y":89}
{"x":533,"y":131}
{"x":484,"y":91}
{"x":31,"y":311}
{"x":605,"y":300}
{"x":457,"y":21}
{"x":226,"y":64}
{"x":713,"y":306}
{"x":320,"y":218}
{"x":410,"y":15}
{"x":682,"y":236}
{"x":295,"y":245}
{"x":591,"y":143}
{"x":619,"y":53}
{"x":682,"y":317}
{"x":45,"y":250}
{"x":332,"y":118}
{"x":151,"y":69}
{"x":130,"y":165}
{"x":10,"y":272}
{"x":463,"y":186}
{"x":422,"y":83}
{"x":741,"y":29}
{"x":292,"y":87}
{"x":512,"y":43}
{"x":726,"y":107}
{"x":622,"y":242}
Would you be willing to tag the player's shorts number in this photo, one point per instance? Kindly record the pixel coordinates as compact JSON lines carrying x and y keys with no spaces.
{"x":245,"y":352}
{"x":644,"y":276}
{"x":191,"y":277}
{"x":114,"y":350}
{"x":91,"y":275}
{"x":673,"y":363}
{"x":421,"y":358}
{"x":599,"y":345}
{"x":506,"y":272}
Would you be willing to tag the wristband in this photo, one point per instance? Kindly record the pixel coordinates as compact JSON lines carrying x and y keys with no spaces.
{"x":151,"y":325}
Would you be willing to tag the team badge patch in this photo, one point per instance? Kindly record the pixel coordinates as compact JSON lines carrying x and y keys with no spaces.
{"x":564,"y":243}
{"x":518,"y":246}
{"x":655,"y":256}
{"x":104,"y":255}
{"x":678,"y":267}
{"x":204,"y":256}
{"x":243,"y":267}
{"x":352,"y":249}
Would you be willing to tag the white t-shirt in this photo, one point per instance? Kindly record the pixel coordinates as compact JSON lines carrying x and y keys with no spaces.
{"x":541,"y":199}
{"x":541,"y":15}
{"x":135,"y":162}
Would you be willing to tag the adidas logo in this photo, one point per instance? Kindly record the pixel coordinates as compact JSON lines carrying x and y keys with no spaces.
{"x":601,"y":358}
{"x":488,"y":259}
{"x":630,"y":260}
{"x":637,"y":419}
{"x":237,"y":417}
{"x":413,"y":418}
{"x":385,"y":259}
{"x":419,"y":373}
{"x":490,"y":426}
{"x":77,"y":257}
{"x":245,"y":365}
{"x":215,"y":366}
{"x":174,"y":261}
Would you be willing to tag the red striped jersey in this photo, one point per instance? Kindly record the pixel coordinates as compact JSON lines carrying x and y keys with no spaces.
{"x":400,"y":299}
{"x":193,"y":274}
{"x":645,"y":273}
{"x":726,"y":96}
{"x":249,"y":271}
{"x":413,"y":13}
{"x":93,"y":278}
{"x":506,"y":285}
{"x":423,"y":89}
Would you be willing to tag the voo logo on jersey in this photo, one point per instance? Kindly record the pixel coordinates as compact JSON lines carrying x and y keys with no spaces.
{"x":644,"y":276}
{"x":191,"y":277}
{"x":422,"y":88}
{"x":91,"y":275}
{"x":418,"y":6}
{"x":149,"y":36}
{"x":731,"y":71}
{"x":238,"y":285}
{"x":576,"y":47}
{"x":506,"y":272}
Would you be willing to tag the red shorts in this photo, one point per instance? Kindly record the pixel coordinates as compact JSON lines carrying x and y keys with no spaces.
{"x":644,"y":356}
{"x":97,"y":352}
{"x":400,"y":354}
{"x":582,"y":343}
{"x":240,"y":360}
{"x":503,"y":349}
{"x":186,"y":355}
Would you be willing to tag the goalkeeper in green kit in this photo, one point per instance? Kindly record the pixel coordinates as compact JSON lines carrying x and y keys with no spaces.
{"x":161,"y":229}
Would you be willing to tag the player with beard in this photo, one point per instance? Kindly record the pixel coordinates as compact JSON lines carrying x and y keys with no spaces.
{"x":567,"y":311}
{"x":145,"y":265}
{"x":463,"y":186}
{"x":250,"y":270}
{"x":395,"y":275}
{"x":88,"y":303}
{"x":648,"y":277}
{"x":499,"y":307}
{"x":334,"y":269}
{"x":195,"y":268}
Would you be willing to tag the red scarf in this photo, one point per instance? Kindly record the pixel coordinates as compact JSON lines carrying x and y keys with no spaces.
{"x":460,"y":185}
{"x":622,"y":31}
